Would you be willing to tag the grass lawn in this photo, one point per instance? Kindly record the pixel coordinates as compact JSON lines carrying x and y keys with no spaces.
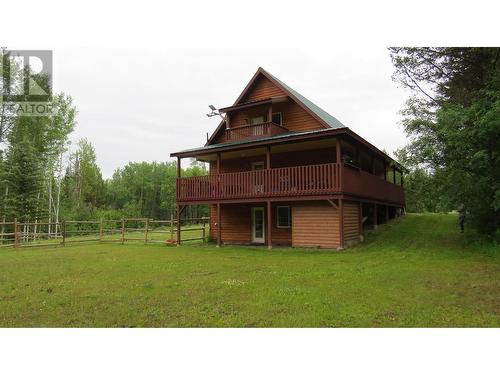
{"x":415,"y":272}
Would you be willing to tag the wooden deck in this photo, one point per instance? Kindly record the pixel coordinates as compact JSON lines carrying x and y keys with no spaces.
{"x":293,"y":182}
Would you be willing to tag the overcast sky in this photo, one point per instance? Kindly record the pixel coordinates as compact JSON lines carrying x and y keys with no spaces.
{"x":145,"y":103}
{"x":142,"y":75}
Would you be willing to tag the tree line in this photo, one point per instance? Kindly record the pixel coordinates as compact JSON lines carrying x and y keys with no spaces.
{"x":41,"y":180}
{"x":72,"y":187}
{"x":453,"y":123}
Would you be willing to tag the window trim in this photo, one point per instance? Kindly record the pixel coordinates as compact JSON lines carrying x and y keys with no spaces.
{"x":281,"y":117}
{"x":278,"y":217}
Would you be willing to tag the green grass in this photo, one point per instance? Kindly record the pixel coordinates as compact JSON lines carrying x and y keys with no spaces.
{"x":416,"y":272}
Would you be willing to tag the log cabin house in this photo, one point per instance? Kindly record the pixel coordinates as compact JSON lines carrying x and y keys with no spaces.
{"x":285,"y":172}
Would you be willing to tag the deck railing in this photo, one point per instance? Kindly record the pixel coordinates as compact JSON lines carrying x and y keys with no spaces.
{"x":318,"y":179}
{"x":276,"y":182}
{"x":266,"y":129}
{"x":363,"y":184}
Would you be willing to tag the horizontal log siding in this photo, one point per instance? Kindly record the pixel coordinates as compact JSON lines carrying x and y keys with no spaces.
{"x":236,"y":224}
{"x":351,"y":222}
{"x":315,"y":225}
{"x":295,"y":118}
{"x":262,"y":89}
{"x":213,"y":220}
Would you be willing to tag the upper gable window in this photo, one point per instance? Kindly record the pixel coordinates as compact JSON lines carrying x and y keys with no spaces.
{"x":255,"y":120}
{"x":277,"y":118}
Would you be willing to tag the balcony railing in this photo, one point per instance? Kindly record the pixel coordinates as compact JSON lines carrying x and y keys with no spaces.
{"x":266,"y":129}
{"x":309,"y":180}
{"x":363,"y":184}
{"x":275,"y":182}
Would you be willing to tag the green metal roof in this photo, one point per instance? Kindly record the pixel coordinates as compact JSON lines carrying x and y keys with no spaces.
{"x":248,"y":141}
{"x":325,"y":116}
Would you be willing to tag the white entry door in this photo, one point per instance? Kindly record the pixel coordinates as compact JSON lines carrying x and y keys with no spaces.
{"x":258,"y":232}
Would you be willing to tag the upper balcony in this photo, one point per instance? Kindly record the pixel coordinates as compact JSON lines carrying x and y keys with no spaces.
{"x":263,"y":130}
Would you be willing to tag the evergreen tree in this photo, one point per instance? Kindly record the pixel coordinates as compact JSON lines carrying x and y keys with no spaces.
{"x":453,"y":121}
{"x":23,"y":176}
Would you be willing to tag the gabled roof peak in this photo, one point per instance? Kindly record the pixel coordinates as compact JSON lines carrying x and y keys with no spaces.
{"x":320,"y":114}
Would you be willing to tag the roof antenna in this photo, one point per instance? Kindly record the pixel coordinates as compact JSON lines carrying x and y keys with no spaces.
{"x":215,"y":112}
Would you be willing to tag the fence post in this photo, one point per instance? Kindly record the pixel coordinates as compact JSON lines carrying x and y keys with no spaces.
{"x":203,"y":220}
{"x":123,"y":230}
{"x":171,"y":227}
{"x":63,"y":231}
{"x":16,"y":234}
{"x":146,"y":228}
{"x":100,"y":230}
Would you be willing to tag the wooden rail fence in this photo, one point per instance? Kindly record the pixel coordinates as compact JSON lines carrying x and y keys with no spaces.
{"x":18,"y":234}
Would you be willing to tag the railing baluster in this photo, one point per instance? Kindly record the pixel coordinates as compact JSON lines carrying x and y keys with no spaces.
{"x":286,"y":181}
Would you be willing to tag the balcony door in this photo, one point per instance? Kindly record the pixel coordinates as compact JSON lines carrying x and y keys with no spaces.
{"x":258,"y":232}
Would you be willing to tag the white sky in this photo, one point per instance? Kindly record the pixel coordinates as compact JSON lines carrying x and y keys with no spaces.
{"x":141,"y":75}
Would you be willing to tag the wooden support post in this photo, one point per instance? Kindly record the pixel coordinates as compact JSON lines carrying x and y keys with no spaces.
{"x":401,"y":178}
{"x":269,"y":225}
{"x":361,"y":221}
{"x":63,"y":231}
{"x":178,"y":218}
{"x":101,"y":229}
{"x":338,"y":151}
{"x":219,"y":226}
{"x":146,"y":230}
{"x":178,"y":167}
{"x":375,"y":223}
{"x":268,"y":157}
{"x":218,"y":162}
{"x":16,"y":233}
{"x":394,"y":174}
{"x":341,"y":222}
{"x":270,"y":113}
{"x":123,"y":230}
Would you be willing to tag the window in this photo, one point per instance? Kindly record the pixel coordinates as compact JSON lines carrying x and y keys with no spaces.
{"x":277,"y":118}
{"x":255,"y":120}
{"x":257,"y":165}
{"x":284,"y":218}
